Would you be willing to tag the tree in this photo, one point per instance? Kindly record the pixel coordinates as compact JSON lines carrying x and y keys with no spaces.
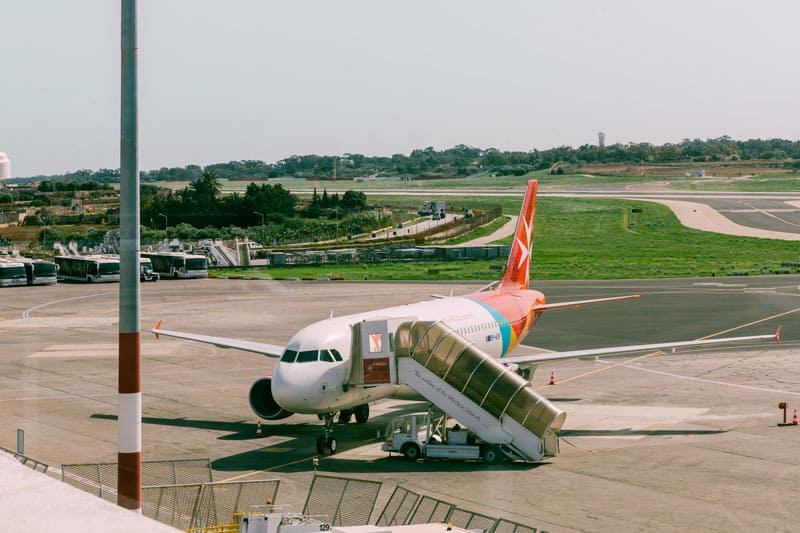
{"x":204,"y":190}
{"x":354,"y":200}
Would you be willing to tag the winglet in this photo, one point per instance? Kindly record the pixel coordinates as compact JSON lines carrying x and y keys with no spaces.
{"x":156,"y":328}
{"x":778,"y":335}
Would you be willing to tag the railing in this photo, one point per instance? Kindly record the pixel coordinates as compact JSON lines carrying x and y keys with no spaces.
{"x":27,"y":461}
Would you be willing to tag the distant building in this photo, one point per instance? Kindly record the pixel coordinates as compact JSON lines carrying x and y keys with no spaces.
{"x":601,"y":139}
{"x":434,"y":208}
{"x":5,"y":167}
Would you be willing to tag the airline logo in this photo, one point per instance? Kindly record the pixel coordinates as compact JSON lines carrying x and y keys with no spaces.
{"x":518,"y":267}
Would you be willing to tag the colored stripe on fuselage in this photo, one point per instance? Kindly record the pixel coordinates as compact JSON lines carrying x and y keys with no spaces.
{"x":507,"y":334}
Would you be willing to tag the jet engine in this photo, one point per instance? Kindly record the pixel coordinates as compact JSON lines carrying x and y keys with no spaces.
{"x":262,"y":402}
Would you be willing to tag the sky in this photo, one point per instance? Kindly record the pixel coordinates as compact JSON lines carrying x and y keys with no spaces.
{"x":261,"y":79}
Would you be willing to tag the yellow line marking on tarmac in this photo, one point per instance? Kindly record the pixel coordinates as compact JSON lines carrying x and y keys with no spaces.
{"x":647,"y":355}
{"x":753,"y":323}
{"x":297,"y":461}
{"x":598,"y":370}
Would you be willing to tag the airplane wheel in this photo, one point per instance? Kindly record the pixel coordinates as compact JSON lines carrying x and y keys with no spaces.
{"x":331,"y":445}
{"x":345,"y":415}
{"x":410,"y":451}
{"x":490,"y":455}
{"x":362,"y":413}
{"x":321,"y":444}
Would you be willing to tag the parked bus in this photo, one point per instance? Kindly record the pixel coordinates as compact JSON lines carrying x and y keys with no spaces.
{"x":12,"y":273}
{"x":91,"y":268}
{"x":39,"y":272}
{"x":146,"y":270}
{"x":178,"y":264}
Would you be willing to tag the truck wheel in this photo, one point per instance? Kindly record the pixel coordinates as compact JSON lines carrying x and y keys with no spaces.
{"x":410,"y":451}
{"x":490,"y":455}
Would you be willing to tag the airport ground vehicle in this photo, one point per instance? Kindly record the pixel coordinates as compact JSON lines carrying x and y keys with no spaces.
{"x":12,"y":273}
{"x":178,"y":264}
{"x":146,"y":270}
{"x":39,"y":272}
{"x":90,"y":268}
{"x":427,"y":435}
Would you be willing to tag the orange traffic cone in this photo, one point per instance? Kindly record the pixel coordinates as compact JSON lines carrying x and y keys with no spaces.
{"x":794,"y":418}
{"x":258,"y":430}
{"x":552,"y":378}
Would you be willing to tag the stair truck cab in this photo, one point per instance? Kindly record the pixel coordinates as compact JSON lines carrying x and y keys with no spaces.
{"x":422,"y":435}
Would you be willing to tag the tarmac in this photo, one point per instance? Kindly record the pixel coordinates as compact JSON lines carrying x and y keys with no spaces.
{"x":654,"y":442}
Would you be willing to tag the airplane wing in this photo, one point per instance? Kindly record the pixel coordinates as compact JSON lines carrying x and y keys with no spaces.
{"x":596,"y":352}
{"x":582,"y":303}
{"x":270,"y":350}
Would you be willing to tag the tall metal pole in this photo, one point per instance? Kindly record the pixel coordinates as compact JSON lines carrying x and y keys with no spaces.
{"x":129,"y":474}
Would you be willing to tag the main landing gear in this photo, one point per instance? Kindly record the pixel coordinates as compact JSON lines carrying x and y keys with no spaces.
{"x":326,"y":443}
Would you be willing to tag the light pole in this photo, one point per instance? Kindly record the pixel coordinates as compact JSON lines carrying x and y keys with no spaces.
{"x":261,"y":215}
{"x":166,"y":221}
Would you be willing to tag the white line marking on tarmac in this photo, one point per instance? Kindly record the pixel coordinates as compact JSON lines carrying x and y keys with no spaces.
{"x":714,"y":382}
{"x":27,"y":314}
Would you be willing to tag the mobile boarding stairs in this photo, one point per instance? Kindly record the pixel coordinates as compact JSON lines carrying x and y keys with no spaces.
{"x":472,"y":387}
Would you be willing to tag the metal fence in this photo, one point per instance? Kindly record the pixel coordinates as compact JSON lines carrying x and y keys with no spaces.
{"x":201,"y":505}
{"x":407,"y":507}
{"x":27,"y":461}
{"x":100,"y":479}
{"x":346,"y":502}
{"x":180,"y":493}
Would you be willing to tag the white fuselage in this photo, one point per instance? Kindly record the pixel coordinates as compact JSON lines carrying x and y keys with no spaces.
{"x":317,"y":386}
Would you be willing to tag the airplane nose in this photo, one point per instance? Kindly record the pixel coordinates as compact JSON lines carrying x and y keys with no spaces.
{"x":295,"y":386}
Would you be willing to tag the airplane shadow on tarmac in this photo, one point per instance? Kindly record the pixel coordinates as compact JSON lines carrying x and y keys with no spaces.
{"x":297,"y":447}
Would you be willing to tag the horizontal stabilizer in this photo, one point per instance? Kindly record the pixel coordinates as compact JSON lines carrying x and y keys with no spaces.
{"x":582,"y":303}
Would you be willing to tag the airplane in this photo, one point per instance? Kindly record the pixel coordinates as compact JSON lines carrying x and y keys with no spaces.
{"x":310,"y":375}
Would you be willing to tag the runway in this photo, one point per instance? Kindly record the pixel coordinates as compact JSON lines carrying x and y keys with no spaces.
{"x":654,"y":442}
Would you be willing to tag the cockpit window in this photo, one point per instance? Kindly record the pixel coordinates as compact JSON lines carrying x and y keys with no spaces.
{"x":288,"y":356}
{"x":307,"y":356}
{"x":336,"y":354}
{"x":325,"y":355}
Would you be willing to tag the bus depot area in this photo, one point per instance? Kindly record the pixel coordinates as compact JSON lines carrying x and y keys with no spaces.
{"x":652,"y":443}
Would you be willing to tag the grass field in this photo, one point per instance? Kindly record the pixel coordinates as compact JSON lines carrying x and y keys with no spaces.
{"x":590,"y":239}
{"x":479,"y":182}
{"x":786,"y":183}
{"x":774,"y":182}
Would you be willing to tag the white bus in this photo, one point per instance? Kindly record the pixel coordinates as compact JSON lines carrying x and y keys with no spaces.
{"x":90,"y":268}
{"x":178,"y":264}
{"x":40,"y":272}
{"x":146,"y":272}
{"x":12,"y":273}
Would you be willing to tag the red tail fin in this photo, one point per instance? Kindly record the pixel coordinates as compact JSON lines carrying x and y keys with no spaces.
{"x":518,"y":267}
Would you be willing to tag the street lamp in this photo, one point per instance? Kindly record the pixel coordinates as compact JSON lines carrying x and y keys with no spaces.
{"x":261,"y":215}
{"x":166,"y":220}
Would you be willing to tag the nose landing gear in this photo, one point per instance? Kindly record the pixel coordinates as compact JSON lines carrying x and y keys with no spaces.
{"x":326,"y":443}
